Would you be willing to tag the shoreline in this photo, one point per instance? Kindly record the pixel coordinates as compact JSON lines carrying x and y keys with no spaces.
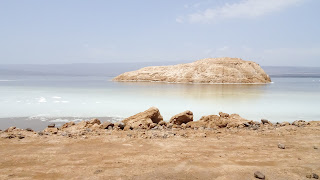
{"x":41,"y":122}
{"x":86,"y":151}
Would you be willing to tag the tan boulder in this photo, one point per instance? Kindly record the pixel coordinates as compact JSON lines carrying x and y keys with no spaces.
{"x":221,"y":121}
{"x":183,"y":117}
{"x":144,"y":119}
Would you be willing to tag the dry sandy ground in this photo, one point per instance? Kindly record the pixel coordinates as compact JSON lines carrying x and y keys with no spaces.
{"x":222,"y":154}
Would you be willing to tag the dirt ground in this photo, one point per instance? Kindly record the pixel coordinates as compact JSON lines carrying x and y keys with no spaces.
{"x":184,"y":154}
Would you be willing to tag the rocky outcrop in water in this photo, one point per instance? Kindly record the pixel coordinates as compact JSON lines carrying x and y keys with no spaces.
{"x":209,"y":70}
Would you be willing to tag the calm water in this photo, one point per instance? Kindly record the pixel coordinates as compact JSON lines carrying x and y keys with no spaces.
{"x":50,"y":98}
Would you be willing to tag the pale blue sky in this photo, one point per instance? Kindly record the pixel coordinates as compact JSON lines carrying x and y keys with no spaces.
{"x":270,"y":32}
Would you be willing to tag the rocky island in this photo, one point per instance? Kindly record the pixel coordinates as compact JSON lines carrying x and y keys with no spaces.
{"x":209,"y":70}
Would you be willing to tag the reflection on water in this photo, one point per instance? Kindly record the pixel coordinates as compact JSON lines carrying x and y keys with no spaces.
{"x":199,"y":91}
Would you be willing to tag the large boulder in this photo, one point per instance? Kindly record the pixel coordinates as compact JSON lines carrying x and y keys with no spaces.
{"x":183,"y":117}
{"x":144,"y":119}
{"x":224,"y":120}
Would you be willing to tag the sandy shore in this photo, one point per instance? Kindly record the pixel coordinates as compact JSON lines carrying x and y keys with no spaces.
{"x":163,"y":154}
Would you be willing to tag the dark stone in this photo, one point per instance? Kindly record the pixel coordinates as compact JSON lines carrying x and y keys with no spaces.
{"x":264,"y":121}
{"x":315,"y":147}
{"x":52,"y":125}
{"x":246,"y":124}
{"x":259,"y":175}
{"x":315,"y":176}
{"x":40,"y":133}
{"x":120,"y":125}
{"x":10,"y":136}
{"x":29,"y":129}
{"x":21,"y":136}
{"x":106,"y":125}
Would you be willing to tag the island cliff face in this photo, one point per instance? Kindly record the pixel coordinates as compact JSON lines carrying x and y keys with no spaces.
{"x":209,"y":70}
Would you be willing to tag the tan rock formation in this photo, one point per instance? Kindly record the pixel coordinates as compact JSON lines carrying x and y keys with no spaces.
{"x":144,"y":119}
{"x":222,"y":121}
{"x":209,"y":70}
{"x":183,"y":117}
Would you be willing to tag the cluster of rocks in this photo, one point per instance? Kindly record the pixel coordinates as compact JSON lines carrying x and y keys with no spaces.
{"x":151,"y":119}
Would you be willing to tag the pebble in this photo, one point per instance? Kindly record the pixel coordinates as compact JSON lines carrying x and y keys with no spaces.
{"x":315,"y":176}
{"x":51,"y":125}
{"x":281,"y":146}
{"x":11,"y":136}
{"x":29,"y":129}
{"x":315,"y":147}
{"x":264,"y":121}
{"x":98,"y":171}
{"x":259,"y":175}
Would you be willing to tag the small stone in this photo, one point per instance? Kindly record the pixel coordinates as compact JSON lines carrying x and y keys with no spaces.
{"x":152,"y":125}
{"x":98,"y":171}
{"x":309,"y":176}
{"x":315,"y":176}
{"x":162,"y":123}
{"x":40,"y":133}
{"x":106,"y":125}
{"x":223,"y":115}
{"x":51,"y":125}
{"x":10,"y":129}
{"x":119,"y":125}
{"x":315,"y":147}
{"x":155,"y":128}
{"x":64,"y":134}
{"x":246,"y":124}
{"x":127,"y":128}
{"x":10,"y":136}
{"x":21,"y":136}
{"x":259,"y":175}
{"x":264,"y":121}
{"x":281,"y":146}
{"x":29,"y":129}
{"x":169,"y":126}
{"x":52,"y":130}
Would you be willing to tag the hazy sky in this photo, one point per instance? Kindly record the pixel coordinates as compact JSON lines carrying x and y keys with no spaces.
{"x":270,"y":32}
